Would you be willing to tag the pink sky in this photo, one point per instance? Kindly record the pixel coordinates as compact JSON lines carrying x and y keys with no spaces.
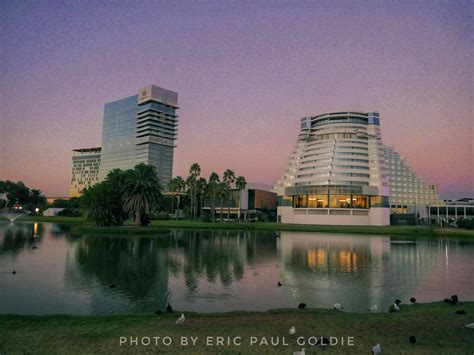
{"x":245,"y":74}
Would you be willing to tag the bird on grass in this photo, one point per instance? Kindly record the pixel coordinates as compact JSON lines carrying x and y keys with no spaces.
{"x":169,"y":309}
{"x":158,"y":312}
{"x":461,"y":312}
{"x":377,"y":349}
{"x":302,"y":306}
{"x":302,"y":352}
{"x":292,"y":330}
{"x":396,"y":307}
{"x":454,"y":299}
{"x":279,"y":283}
{"x":374,"y":308}
{"x":181,"y":319}
{"x":338,"y":307}
{"x":412,"y":339}
{"x":413,"y":300}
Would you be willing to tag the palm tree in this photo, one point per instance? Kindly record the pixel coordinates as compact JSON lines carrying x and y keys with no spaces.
{"x":194,"y":172}
{"x":180,"y":186}
{"x":201,"y":187}
{"x":229,"y":178}
{"x":240,"y":184}
{"x":213,"y":188}
{"x":223,"y":192}
{"x":141,"y":192}
{"x":172,"y":188}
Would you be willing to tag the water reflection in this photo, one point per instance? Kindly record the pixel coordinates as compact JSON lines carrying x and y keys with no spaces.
{"x":211,"y":271}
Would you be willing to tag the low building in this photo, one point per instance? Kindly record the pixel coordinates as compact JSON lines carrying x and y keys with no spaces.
{"x":255,"y":202}
{"x":85,"y":169}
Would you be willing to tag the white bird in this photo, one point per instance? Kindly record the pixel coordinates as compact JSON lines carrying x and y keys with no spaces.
{"x":181,"y":319}
{"x":374,"y":308}
{"x":292,"y":330}
{"x":302,"y":352}
{"x":396,"y":307}
{"x":470,"y":326}
{"x":377,"y":349}
{"x":338,"y":307}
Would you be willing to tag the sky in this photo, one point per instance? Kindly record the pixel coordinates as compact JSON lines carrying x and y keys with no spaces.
{"x":245,"y":73}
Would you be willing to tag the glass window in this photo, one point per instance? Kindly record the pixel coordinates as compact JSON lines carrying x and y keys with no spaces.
{"x":360,"y":201}
{"x":340,"y":201}
{"x":317,"y":201}
{"x":300,"y":201}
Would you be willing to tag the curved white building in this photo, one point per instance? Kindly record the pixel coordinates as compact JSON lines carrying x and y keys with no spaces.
{"x":337,"y":173}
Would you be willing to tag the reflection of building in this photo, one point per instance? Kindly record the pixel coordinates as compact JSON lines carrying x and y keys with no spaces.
{"x":85,"y":169}
{"x":140,"y":129}
{"x":256,"y":201}
{"x":337,"y":173}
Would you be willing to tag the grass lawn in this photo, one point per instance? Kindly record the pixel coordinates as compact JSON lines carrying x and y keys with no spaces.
{"x":437,"y":328}
{"x":157,"y":226}
{"x":81,"y":226}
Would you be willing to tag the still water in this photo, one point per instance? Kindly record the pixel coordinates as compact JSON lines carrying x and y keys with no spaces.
{"x":216,"y":271}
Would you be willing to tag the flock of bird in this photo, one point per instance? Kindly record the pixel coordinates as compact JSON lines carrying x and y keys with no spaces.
{"x":395,"y":307}
{"x":377,"y":349}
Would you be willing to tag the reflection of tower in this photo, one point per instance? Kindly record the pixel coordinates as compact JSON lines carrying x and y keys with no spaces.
{"x":326,"y":268}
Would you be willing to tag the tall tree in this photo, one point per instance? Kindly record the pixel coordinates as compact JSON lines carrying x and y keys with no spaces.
{"x":180,"y":186}
{"x":240,"y":184}
{"x":172,"y":188}
{"x":202,"y":188}
{"x":213,"y":190}
{"x":141,"y":192}
{"x":223,"y":193}
{"x":194,"y":173}
{"x":229,"y":178}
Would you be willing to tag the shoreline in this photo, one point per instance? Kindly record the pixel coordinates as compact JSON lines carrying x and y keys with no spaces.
{"x":436,"y":326}
{"x":80,"y":226}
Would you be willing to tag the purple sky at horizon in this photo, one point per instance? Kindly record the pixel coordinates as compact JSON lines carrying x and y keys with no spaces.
{"x":245,"y":73}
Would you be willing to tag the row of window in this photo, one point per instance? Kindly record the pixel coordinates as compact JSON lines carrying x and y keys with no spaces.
{"x":333,"y":201}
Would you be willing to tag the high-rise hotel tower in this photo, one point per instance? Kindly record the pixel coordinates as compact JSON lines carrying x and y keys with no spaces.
{"x":337,"y":173}
{"x":140,"y":129}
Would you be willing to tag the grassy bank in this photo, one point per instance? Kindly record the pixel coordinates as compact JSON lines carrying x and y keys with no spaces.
{"x":158,"y":226}
{"x":437,"y":328}
{"x":53,"y":219}
{"x":81,"y":226}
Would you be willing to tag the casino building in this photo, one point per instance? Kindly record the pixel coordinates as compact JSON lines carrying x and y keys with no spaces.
{"x":337,"y":173}
{"x":140,"y":129}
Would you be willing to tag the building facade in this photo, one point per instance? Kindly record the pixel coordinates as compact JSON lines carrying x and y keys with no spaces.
{"x":406,"y":188}
{"x":337,"y":173}
{"x":255,"y":202}
{"x":140,"y":129}
{"x":85,"y":169}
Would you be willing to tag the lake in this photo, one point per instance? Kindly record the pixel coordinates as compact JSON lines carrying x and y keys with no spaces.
{"x":218,"y":271}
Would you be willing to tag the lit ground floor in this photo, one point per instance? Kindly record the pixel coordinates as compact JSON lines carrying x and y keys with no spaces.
{"x":376,"y":216}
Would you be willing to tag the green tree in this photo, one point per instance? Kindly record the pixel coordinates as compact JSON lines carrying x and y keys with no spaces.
{"x":240,"y":184}
{"x":223,"y":193}
{"x":141,"y":192}
{"x":191,"y":181}
{"x":179,"y":185}
{"x":102,"y":203}
{"x":213,"y":191}
{"x":201,"y":187}
{"x":229,"y":179}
